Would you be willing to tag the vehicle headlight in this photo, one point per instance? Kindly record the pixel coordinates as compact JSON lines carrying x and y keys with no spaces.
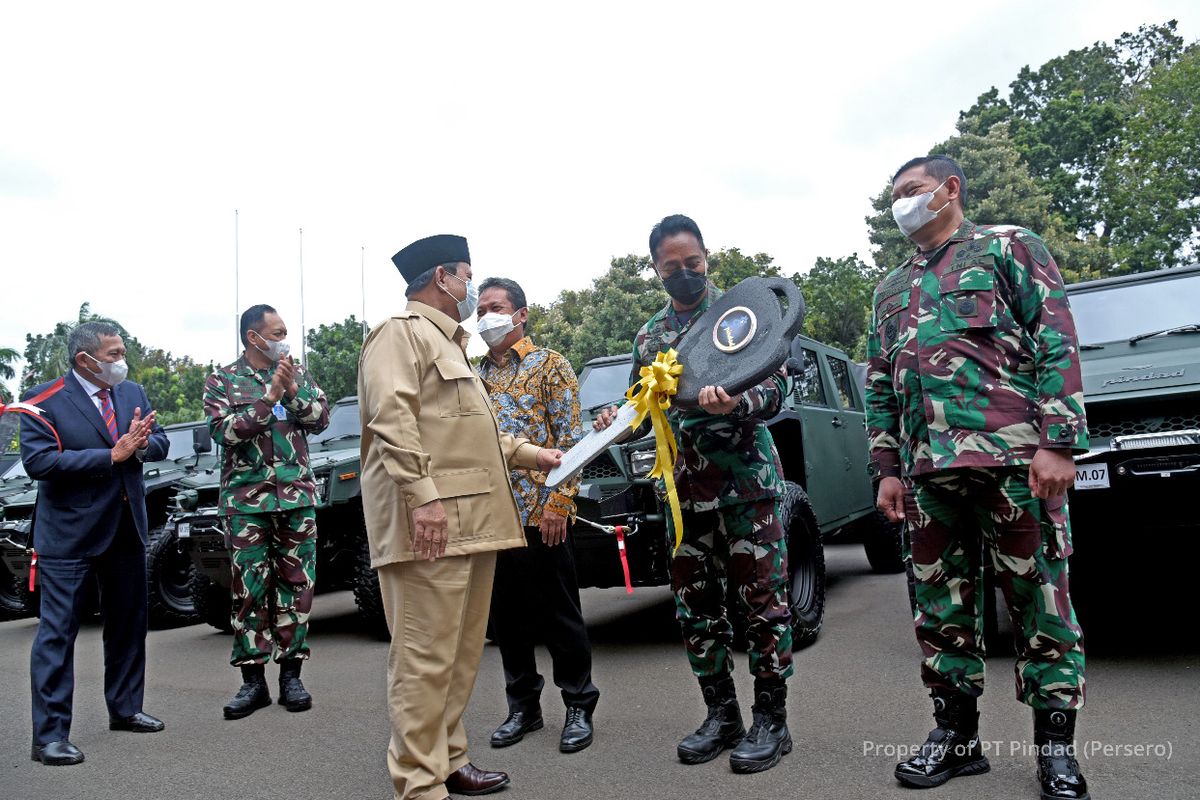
{"x":641,"y":462}
{"x":322,"y":486}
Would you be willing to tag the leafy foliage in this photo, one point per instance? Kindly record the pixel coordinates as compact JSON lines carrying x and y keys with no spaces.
{"x":837,"y":297}
{"x":333,"y":352}
{"x":175,"y":386}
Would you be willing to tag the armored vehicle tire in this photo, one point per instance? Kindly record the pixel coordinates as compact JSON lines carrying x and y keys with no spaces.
{"x":366,"y":591}
{"x":884,"y":545}
{"x":168,"y":581}
{"x":12,"y":599}
{"x":806,"y":565}
{"x":212,"y":602}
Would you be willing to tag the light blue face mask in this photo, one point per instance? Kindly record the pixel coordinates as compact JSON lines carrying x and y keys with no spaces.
{"x":913,"y":213}
{"x":466,"y":306}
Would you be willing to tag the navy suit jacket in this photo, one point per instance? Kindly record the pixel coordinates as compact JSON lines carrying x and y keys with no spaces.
{"x":80,"y":489}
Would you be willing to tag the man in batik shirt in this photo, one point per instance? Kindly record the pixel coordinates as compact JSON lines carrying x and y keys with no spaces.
{"x":536,"y":592}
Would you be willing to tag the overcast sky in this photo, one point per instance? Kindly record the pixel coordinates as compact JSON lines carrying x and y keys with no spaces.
{"x":552,"y":135}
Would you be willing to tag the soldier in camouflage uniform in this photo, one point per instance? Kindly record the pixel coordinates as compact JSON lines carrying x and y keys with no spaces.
{"x":729,"y":480}
{"x":974,"y":409}
{"x":260,"y":409}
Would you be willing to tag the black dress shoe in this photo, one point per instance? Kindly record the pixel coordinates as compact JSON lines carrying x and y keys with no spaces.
{"x":577,"y":731}
{"x":57,"y":754}
{"x":470,"y":780}
{"x":140,"y":722}
{"x":513,"y":729}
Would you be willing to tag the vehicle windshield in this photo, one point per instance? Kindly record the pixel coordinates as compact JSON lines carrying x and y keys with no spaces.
{"x":604,"y":385}
{"x":343,"y":422}
{"x":1124,"y":311}
{"x":15,"y":470}
{"x":180,"y":443}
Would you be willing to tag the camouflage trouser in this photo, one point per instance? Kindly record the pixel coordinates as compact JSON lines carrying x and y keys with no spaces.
{"x":274,"y":558}
{"x":743,"y":547}
{"x":958,"y":518}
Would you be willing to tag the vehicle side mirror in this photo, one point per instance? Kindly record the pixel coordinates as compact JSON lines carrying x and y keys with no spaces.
{"x":202,"y":440}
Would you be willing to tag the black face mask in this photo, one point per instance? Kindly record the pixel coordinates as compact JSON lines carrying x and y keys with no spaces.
{"x":685,"y":286}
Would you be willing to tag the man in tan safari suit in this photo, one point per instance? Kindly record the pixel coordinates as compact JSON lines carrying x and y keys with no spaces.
{"x":438,"y":506}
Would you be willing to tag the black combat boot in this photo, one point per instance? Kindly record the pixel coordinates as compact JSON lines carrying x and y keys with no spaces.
{"x":768,"y":739}
{"x":252,"y":696}
{"x":292,"y":694}
{"x":952,"y":747}
{"x":1058,"y":771}
{"x":721,"y":728}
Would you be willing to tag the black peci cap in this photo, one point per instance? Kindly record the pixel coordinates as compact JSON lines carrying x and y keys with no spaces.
{"x":425,"y":254}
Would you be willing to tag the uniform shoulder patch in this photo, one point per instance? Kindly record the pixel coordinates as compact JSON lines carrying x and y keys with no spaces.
{"x":896,"y":282}
{"x":1037,"y":250}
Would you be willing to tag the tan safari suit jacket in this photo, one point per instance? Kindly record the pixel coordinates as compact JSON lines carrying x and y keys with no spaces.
{"x":429,"y":432}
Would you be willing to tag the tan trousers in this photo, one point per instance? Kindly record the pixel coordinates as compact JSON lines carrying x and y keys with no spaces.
{"x":437,"y":613}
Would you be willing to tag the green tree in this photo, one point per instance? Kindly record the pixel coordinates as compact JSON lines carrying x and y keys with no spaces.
{"x":333,"y":352}
{"x":8,"y":357}
{"x":837,"y":299}
{"x":1150,"y":183}
{"x":727,"y":268}
{"x":175,"y":386}
{"x":1067,"y":116}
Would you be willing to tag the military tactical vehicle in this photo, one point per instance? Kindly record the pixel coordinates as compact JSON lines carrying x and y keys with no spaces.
{"x":822,"y":442}
{"x":1140,"y":356}
{"x":168,"y":602}
{"x":342,"y":557}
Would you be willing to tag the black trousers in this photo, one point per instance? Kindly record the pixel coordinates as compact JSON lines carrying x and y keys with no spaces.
{"x":64,"y":587}
{"x":536,"y":597}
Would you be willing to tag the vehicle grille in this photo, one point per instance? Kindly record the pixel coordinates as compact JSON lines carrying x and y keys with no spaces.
{"x":602,"y":467}
{"x":1123,"y":419}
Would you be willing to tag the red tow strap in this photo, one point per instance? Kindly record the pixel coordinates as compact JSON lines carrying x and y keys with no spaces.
{"x":33,"y":573}
{"x":619,"y":530}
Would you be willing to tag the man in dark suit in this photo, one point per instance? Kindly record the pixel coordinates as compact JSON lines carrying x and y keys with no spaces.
{"x":86,"y":449}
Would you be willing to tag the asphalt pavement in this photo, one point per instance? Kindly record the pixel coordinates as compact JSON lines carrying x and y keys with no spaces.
{"x":855,"y":700}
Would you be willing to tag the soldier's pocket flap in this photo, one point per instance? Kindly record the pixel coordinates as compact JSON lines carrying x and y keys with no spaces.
{"x":451,"y":369}
{"x":462,"y":483}
{"x":891,"y":305}
{"x":974,"y":278}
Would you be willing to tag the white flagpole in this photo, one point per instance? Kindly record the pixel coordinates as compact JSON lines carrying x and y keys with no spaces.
{"x":303,"y":335}
{"x":237,"y":309}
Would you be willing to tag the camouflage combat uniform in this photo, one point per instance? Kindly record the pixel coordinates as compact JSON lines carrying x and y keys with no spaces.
{"x":973,"y":367}
{"x":729,"y":479}
{"x":268,"y":499}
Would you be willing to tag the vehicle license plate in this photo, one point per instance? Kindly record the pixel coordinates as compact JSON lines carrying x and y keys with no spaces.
{"x":1091,"y":476}
{"x":184,"y":530}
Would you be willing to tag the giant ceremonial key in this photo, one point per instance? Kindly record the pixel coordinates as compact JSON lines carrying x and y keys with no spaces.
{"x":736,"y":343}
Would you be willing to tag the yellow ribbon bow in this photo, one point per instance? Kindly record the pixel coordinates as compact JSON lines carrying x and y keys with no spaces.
{"x":652,"y":395}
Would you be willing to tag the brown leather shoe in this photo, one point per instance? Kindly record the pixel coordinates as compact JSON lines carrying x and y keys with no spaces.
{"x":470,"y":780}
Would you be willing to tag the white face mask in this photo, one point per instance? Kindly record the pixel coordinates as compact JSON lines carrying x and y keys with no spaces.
{"x":111,"y":372}
{"x":276,"y":350}
{"x":466,"y":306}
{"x":913,"y":213}
{"x":494,"y":327}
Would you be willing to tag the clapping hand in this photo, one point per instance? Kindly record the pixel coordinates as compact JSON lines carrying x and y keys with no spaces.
{"x":282,"y":381}
{"x":136,"y":438}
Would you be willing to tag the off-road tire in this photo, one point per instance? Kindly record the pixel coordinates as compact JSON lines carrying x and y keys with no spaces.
{"x":12,"y":599}
{"x":884,"y":545}
{"x":169,"y":600}
{"x":806,"y":565}
{"x":366,"y":591}
{"x":212,"y":601}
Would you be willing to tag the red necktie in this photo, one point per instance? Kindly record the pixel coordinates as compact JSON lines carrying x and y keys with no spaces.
{"x":106,"y":411}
